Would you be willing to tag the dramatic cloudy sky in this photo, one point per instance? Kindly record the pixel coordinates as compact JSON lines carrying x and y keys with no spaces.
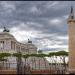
{"x":43,"y":22}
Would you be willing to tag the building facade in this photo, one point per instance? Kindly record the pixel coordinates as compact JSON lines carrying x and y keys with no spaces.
{"x":10,"y":45}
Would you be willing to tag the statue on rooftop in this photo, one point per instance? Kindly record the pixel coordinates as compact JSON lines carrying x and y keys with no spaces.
{"x":29,"y":41}
{"x":5,"y":30}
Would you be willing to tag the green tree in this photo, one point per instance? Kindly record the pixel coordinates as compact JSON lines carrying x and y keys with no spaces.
{"x":64,"y":54}
{"x":39,"y":51}
{"x":51,"y":56}
{"x":18,"y":55}
{"x":3,"y":57}
{"x":41,"y":55}
{"x":25,"y":56}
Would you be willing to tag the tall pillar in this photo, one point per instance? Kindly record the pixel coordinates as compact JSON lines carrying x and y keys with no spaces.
{"x":71,"y":43}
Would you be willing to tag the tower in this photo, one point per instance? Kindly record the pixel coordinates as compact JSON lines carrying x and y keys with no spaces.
{"x":71,"y":34}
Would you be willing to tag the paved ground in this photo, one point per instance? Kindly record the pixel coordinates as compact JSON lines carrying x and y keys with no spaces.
{"x":7,"y":71}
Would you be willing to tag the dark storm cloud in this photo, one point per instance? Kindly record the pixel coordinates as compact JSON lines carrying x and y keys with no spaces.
{"x":21,"y":13}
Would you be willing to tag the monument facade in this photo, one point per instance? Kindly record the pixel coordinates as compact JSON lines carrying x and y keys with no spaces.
{"x":9,"y":44}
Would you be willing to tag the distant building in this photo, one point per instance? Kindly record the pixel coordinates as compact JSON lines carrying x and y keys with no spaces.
{"x":71,"y":33}
{"x":9,"y":44}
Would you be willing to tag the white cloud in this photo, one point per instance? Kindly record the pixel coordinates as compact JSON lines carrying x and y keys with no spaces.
{"x":1,"y":30}
{"x":63,"y":37}
{"x":50,"y":44}
{"x":55,"y":21}
{"x":23,"y":35}
{"x":57,"y":46}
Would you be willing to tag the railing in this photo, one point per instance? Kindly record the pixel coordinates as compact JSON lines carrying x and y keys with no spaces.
{"x":7,"y":65}
{"x":26,"y":68}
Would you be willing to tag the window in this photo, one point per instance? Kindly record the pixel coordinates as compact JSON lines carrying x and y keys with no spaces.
{"x":17,"y":47}
{"x":1,"y":44}
{"x":12,"y":45}
{"x":22,"y":48}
